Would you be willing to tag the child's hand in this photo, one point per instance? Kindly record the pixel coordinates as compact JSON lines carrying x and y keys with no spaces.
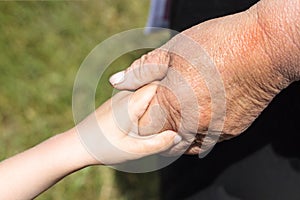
{"x":104,"y":134}
{"x":110,"y":133}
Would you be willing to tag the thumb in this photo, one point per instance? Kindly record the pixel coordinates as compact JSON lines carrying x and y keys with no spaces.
{"x":140,"y":100}
{"x":150,"y":67}
{"x":158,"y":143}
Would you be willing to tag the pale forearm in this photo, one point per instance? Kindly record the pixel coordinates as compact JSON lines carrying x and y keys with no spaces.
{"x":26,"y":175}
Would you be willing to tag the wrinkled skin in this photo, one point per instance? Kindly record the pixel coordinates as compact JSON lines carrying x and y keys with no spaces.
{"x":256,"y":55}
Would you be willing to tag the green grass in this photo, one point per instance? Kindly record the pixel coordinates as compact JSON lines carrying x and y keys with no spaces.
{"x":42,"y":45}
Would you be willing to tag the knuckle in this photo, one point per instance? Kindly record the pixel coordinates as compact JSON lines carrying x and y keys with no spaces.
{"x":156,"y":63}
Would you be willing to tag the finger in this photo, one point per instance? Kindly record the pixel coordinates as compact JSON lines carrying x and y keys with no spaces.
{"x":199,"y":149}
{"x":193,"y":150}
{"x":154,"y":119}
{"x":140,"y":101}
{"x":157,"y":143}
{"x":128,"y":107}
{"x":150,"y":67}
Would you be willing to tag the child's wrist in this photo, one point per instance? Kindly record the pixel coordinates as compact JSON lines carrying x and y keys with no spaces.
{"x":82,"y":157}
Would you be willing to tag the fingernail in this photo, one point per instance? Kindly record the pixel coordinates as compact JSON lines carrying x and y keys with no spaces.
{"x":117,"y":78}
{"x":177,"y":139}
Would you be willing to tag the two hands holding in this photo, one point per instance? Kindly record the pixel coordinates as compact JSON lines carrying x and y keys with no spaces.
{"x":256,"y":55}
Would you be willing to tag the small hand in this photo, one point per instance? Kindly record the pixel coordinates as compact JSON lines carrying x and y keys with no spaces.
{"x":117,"y":139}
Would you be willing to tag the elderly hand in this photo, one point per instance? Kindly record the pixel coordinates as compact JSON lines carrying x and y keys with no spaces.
{"x":255,"y":54}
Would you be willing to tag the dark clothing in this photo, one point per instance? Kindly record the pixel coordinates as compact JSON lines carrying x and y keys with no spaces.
{"x":263,"y":162}
{"x":186,"y":13}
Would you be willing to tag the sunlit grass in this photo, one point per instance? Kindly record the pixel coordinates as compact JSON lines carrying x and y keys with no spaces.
{"x":42,"y":45}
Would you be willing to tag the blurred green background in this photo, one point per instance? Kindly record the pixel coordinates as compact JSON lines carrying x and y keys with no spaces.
{"x":42,"y":45}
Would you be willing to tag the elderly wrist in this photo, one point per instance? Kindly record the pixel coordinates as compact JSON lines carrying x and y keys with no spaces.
{"x":278,"y":23}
